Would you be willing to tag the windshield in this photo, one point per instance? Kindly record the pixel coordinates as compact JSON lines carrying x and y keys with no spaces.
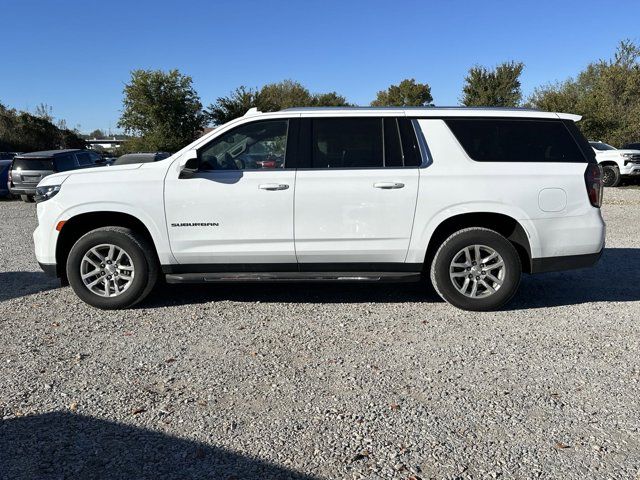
{"x":602,"y":146}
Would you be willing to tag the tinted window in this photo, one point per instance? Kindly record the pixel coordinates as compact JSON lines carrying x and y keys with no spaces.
{"x":497,"y":140}
{"x":64,"y":162}
{"x":347,"y":143}
{"x":632,"y":146}
{"x":410,"y":149}
{"x":84,"y":159}
{"x":32,"y":164}
{"x":253,"y":146}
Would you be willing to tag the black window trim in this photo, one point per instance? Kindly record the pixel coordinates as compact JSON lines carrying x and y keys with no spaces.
{"x":288,"y":143}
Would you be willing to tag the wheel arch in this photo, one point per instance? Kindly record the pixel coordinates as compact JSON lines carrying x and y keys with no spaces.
{"x":80,"y":224}
{"x":504,"y":224}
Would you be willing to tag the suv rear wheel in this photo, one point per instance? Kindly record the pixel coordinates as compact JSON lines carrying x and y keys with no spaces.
{"x":112,"y":267}
{"x":476,"y":269}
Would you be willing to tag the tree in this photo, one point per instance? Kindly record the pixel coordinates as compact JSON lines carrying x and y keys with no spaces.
{"x":499,"y":87}
{"x":407,"y":93}
{"x":330,"y":99}
{"x":44,"y":111}
{"x":232,"y":106}
{"x":97,"y":133}
{"x":162,"y":108}
{"x":22,"y":131}
{"x":606,"y":93}
{"x":270,"y":98}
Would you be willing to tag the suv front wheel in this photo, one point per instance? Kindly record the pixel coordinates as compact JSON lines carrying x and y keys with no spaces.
{"x":476,"y":269}
{"x":112,"y":267}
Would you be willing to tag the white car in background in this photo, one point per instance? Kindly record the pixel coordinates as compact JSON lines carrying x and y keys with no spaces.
{"x":615,"y":163}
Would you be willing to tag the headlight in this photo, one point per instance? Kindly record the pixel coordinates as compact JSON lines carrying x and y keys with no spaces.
{"x":627,"y":155}
{"x":45,"y":193}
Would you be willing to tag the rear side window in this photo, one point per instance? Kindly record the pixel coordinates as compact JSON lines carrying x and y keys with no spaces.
{"x":32,"y":164}
{"x":64,"y":162}
{"x":347,"y":143}
{"x":515,"y":140}
{"x":84,"y":159}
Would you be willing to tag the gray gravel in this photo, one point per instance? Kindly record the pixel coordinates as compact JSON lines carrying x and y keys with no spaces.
{"x":308,"y":381}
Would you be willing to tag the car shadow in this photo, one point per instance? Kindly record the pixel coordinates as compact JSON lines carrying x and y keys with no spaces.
{"x":20,"y":284}
{"x":615,"y":278}
{"x":66,"y":445}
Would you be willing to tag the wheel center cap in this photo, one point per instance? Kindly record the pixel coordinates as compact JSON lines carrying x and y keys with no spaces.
{"x":111,"y":269}
{"x":476,"y":270}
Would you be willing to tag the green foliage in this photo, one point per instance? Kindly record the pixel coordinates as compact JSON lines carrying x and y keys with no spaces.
{"x":606,"y":93}
{"x":162,"y":109}
{"x":407,"y":93}
{"x":270,"y":98}
{"x":499,"y":87}
{"x":233,"y":106}
{"x":97,"y":133}
{"x":24,"y":132}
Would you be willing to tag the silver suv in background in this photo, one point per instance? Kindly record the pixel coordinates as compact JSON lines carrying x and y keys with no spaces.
{"x":28,"y":169}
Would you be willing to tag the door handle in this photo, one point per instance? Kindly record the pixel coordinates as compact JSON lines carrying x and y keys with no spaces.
{"x":388,"y":185}
{"x":273,"y":186}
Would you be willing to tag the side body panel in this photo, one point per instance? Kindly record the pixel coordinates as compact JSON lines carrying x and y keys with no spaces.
{"x":454,"y":184}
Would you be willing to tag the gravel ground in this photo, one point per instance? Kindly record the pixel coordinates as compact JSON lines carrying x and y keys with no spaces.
{"x":323,"y":381}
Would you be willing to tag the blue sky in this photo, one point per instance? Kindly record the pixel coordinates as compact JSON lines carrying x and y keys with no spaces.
{"x":77,"y":55}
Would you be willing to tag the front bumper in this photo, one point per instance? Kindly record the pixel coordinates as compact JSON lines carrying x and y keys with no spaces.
{"x":631,"y":169}
{"x":22,"y":191}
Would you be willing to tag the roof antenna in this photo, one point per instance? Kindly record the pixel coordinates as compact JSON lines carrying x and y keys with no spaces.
{"x":252,"y":111}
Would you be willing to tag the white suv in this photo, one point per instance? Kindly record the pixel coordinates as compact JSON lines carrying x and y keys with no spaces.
{"x":468,"y":197}
{"x":615,"y":163}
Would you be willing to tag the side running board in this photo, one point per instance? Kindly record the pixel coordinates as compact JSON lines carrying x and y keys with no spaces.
{"x":293,"y":277}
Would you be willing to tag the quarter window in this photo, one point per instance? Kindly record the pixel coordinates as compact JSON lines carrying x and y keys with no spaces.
{"x":254,"y":146}
{"x":84,"y":160}
{"x":500,"y":140}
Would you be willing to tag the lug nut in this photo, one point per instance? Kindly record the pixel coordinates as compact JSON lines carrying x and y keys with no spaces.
{"x":470,"y":276}
{"x":468,"y":269}
{"x":473,"y":263}
{"x":109,"y":262}
{"x":477,"y":278}
{"x":102,"y":265}
{"x":102,"y":273}
{"x":483,"y":272}
{"x":109,"y":277}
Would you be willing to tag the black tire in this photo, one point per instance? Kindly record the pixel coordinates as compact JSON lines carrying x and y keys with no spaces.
{"x":611,"y":175}
{"x":137,"y":247}
{"x":27,"y":198}
{"x":444,"y":285}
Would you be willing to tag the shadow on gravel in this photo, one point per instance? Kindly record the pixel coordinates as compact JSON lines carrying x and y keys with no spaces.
{"x":63,"y":445}
{"x":19,"y":284}
{"x":171,"y":295}
{"x":615,"y":278}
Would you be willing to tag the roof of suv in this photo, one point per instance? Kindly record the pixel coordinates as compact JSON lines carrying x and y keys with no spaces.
{"x":47,"y":153}
{"x":435,"y":112}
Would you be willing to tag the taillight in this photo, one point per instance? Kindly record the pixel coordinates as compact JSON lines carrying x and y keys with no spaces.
{"x":593,"y":180}
{"x":10,"y":175}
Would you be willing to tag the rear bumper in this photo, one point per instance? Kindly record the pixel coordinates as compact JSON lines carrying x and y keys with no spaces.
{"x":51,"y":269}
{"x":567,"y":262}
